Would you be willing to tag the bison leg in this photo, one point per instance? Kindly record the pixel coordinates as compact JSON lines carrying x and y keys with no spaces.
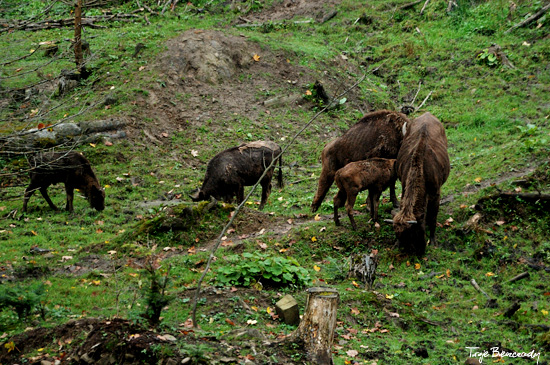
{"x":240,"y":194}
{"x":28,"y":193}
{"x":374,"y":201}
{"x":431,"y":216}
{"x":351,"y":196}
{"x":70,"y":197}
{"x":325,"y":181}
{"x":44,"y":192}
{"x":338,"y":201}
{"x":393,"y":197}
{"x":266,"y":190}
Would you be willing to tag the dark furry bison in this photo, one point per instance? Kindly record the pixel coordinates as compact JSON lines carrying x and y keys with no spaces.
{"x":374,"y":175}
{"x":69,"y":168}
{"x":231,"y":170}
{"x":377,"y":134}
{"x":423,"y":167}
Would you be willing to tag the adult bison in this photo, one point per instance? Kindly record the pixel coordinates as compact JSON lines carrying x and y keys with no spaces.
{"x":377,"y":134}
{"x":423,"y":167}
{"x":231,"y":170}
{"x":69,"y":168}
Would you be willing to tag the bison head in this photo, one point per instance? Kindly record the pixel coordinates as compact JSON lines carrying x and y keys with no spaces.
{"x":411,"y":237}
{"x":97,"y":197}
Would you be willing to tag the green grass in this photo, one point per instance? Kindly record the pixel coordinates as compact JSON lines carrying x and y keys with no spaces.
{"x":496,"y":121}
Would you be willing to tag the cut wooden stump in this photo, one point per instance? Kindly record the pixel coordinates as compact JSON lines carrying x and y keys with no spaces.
{"x":316,"y":329}
{"x":288,"y":310}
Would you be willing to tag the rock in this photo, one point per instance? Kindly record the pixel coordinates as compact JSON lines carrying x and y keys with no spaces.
{"x":472,"y":361}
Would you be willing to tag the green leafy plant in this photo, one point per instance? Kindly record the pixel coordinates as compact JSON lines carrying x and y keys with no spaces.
{"x":488,"y":58}
{"x":249,"y":268}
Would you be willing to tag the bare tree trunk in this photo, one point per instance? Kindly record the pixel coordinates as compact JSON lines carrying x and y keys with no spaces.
{"x":317,"y":327}
{"x":78,"y":35}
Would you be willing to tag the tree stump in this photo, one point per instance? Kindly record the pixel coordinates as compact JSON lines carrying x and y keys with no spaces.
{"x":316,"y":329}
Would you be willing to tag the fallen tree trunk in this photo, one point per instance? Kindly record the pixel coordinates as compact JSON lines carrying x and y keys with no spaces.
{"x":531,"y":198}
{"x":318,"y":324}
{"x":70,"y":22}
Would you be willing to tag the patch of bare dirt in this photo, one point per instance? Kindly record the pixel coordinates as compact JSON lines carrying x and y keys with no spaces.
{"x":213,"y":75}
{"x":119,"y":341}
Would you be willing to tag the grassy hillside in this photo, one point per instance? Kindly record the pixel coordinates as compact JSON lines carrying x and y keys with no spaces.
{"x":96,"y":268}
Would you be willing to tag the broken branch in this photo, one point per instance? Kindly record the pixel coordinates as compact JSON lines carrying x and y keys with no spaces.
{"x":531,"y":19}
{"x":476,"y":286}
{"x":424,"y":7}
{"x":518,"y":277}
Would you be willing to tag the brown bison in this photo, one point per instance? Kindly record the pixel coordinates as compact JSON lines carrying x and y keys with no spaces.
{"x":231,"y":170}
{"x":377,"y":134}
{"x":69,"y":168}
{"x":423,"y":167}
{"x":374,"y":175}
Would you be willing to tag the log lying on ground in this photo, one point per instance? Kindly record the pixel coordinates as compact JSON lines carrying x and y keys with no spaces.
{"x":531,"y":198}
{"x":83,"y":132}
{"x":316,"y":330}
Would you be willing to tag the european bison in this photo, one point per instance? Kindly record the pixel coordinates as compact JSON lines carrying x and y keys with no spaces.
{"x":423,"y":167}
{"x":377,"y":134}
{"x":69,"y":168}
{"x":231,"y":170}
{"x":374,"y":175}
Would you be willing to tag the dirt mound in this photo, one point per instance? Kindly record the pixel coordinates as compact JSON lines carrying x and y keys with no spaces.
{"x":207,"y":56}
{"x":207,"y":75}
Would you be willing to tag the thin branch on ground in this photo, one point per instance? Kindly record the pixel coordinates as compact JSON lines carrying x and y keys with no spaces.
{"x":239,"y":207}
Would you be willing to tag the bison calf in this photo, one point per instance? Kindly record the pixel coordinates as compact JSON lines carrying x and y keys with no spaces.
{"x":374,"y":175}
{"x":231,"y":170}
{"x":69,"y":168}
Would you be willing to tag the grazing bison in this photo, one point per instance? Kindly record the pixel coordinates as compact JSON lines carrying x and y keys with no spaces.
{"x":231,"y":170}
{"x":377,"y":134}
{"x":69,"y":168}
{"x":374,"y":175}
{"x":423,"y":167}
